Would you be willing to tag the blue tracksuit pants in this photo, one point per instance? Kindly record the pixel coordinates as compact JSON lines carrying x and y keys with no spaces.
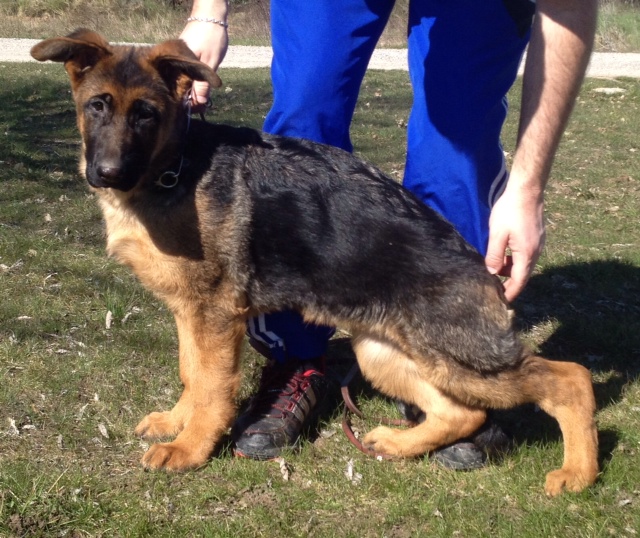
{"x":463,"y":58}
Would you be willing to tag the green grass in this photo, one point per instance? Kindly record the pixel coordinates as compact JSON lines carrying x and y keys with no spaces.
{"x":156,"y":20}
{"x":67,"y":379}
{"x":618,"y":27}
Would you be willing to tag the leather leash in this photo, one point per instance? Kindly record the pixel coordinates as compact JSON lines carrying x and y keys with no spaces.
{"x":351,"y":408}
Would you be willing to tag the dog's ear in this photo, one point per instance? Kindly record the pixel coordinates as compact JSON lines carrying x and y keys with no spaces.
{"x":179,"y":66}
{"x":79,"y":51}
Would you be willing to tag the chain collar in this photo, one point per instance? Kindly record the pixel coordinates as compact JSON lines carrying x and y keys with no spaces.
{"x":169,"y":178}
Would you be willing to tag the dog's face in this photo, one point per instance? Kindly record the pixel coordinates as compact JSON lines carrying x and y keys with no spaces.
{"x":129,"y":101}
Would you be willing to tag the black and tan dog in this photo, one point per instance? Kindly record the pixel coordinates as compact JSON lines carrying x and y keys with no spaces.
{"x":223,"y":223}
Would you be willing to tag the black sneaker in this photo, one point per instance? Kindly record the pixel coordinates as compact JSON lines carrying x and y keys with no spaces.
{"x":464,"y":455}
{"x":282,"y":409}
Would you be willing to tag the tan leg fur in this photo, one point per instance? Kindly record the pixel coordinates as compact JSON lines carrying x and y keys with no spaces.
{"x":454,"y":399}
{"x":210,"y":375}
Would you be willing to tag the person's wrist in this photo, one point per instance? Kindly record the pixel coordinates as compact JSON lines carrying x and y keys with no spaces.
{"x":209,"y":10}
{"x":525,"y":188}
{"x":208,"y":20}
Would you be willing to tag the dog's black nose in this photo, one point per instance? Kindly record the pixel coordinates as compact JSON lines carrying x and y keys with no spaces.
{"x":109,"y":174}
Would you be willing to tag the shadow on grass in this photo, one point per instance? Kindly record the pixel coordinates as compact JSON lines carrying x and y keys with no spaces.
{"x":39,"y":119}
{"x":597,"y":306}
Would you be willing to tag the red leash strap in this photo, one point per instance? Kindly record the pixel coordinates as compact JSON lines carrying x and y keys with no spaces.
{"x":351,"y":407}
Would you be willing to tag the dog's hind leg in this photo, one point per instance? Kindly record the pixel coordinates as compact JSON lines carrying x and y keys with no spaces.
{"x":393,"y":373}
{"x":209,"y":349}
{"x":563,"y":390}
{"x":454,"y":398}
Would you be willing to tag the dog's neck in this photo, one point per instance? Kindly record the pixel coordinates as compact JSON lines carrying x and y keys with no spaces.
{"x":169,"y":178}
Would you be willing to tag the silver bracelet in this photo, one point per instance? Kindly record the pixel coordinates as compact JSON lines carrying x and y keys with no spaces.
{"x":208,"y":19}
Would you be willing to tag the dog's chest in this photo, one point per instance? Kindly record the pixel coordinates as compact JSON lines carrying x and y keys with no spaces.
{"x":129,"y":242}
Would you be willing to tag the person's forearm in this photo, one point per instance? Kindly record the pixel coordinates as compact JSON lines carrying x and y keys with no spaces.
{"x":561,"y":43}
{"x":210,"y":9}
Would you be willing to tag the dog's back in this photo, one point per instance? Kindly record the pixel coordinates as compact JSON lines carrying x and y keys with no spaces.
{"x":333,"y":236}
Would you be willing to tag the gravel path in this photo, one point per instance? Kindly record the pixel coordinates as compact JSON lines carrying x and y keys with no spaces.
{"x":603,"y":64}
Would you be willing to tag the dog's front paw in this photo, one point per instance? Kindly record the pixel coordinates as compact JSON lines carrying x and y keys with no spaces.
{"x":172,"y":457}
{"x":566,"y":479}
{"x":382,"y":440}
{"x":158,"y":426}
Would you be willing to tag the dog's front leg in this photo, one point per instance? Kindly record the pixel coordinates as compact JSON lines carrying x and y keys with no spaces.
{"x":210,"y":342}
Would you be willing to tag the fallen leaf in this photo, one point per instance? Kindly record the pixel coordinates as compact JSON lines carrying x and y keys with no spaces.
{"x":351,"y":475}
{"x":13,"y":430}
{"x":103,"y":431}
{"x":284,"y":468}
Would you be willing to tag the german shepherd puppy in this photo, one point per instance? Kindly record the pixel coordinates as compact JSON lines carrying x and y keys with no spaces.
{"x":223,"y":223}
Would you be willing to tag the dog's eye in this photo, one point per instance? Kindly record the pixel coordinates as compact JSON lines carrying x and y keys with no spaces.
{"x":97,"y":105}
{"x":145,"y":112}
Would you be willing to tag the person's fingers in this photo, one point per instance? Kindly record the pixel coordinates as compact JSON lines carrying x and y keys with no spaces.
{"x":494,"y":259}
{"x":518,"y":278}
{"x":200,"y":93}
{"x":507,"y":266}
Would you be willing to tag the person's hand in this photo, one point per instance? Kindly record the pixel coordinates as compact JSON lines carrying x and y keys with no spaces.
{"x":209,"y":42}
{"x":558,"y":53}
{"x":517,"y":223}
